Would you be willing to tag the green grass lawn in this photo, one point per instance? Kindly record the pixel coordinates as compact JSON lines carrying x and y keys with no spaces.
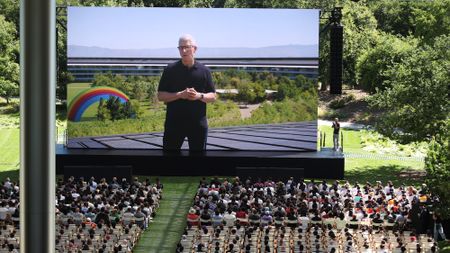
{"x":352,"y":138}
{"x":73,"y":90}
{"x":9,"y":150}
{"x":444,"y":246}
{"x":8,"y":121}
{"x":165,"y":231}
{"x":371,"y":166}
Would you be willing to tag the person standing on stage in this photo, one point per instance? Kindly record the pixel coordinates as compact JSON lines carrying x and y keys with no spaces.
{"x":336,"y":127}
{"x":186,"y":87}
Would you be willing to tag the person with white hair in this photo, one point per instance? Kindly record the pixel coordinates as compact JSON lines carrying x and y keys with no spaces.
{"x":336,"y":127}
{"x":186,"y":87}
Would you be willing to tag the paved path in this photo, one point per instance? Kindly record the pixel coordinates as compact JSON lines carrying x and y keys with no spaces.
{"x":383,"y":157}
{"x":348,"y":125}
{"x":246,"y":112}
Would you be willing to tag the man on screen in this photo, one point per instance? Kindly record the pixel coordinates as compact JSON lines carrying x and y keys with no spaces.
{"x":186,"y":86}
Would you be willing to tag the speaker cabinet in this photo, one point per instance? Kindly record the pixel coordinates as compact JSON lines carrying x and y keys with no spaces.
{"x":336,"y":48}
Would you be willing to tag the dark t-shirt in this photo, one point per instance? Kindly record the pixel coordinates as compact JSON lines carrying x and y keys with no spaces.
{"x":336,"y":127}
{"x":177,"y":77}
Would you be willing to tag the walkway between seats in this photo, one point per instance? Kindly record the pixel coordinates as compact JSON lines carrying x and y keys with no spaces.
{"x":167,"y":227}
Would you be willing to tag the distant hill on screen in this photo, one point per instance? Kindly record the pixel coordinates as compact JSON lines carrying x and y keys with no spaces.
{"x":297,"y":51}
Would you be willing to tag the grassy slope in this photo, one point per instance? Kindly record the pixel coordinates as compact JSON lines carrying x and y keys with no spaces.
{"x":74,"y":89}
{"x":9,"y":150}
{"x":372,"y":169}
{"x":165,"y":232}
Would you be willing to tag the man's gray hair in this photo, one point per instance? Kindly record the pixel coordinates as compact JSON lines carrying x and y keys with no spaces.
{"x":187,"y":37}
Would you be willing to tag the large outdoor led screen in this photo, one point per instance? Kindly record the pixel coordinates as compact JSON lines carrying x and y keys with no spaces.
{"x":263,"y":64}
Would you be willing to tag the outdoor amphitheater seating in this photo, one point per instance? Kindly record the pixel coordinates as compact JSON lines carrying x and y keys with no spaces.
{"x":90,"y":216}
{"x":306,"y":217}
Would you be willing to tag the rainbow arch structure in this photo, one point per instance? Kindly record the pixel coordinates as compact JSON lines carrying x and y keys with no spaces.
{"x":87,"y":97}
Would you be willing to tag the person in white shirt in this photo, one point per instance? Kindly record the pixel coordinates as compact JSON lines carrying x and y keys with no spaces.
{"x":340,"y":222}
{"x":229,"y":218}
{"x":304,"y":222}
{"x":7,"y":184}
{"x":3,"y":210}
{"x":92,"y":184}
{"x":127,"y":217}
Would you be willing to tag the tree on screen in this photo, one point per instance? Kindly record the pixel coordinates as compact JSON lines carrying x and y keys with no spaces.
{"x":102,"y":111}
{"x":245,"y":93}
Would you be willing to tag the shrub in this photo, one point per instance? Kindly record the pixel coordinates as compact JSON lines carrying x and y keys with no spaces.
{"x":341,"y":101}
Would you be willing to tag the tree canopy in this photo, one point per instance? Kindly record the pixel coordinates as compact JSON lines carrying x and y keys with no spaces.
{"x":372,"y":66}
{"x":9,"y":67}
{"x":437,"y":165}
{"x":416,"y":101}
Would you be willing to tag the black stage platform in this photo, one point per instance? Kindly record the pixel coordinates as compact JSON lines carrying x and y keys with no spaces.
{"x":321,"y":164}
{"x":275,"y":150}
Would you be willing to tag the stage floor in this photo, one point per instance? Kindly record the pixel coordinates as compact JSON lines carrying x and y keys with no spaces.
{"x":297,"y":136}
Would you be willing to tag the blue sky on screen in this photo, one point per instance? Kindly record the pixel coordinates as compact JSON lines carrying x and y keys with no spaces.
{"x":151,"y":28}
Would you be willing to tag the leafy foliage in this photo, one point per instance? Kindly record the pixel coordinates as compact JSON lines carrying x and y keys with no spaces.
{"x":415,"y":99}
{"x":287,"y":89}
{"x":373,"y":65}
{"x":342,"y":101}
{"x":102,"y":111}
{"x":8,"y":89}
{"x":245,"y":94}
{"x":302,"y":107}
{"x":108,"y":127}
{"x":223,"y":113}
{"x":422,"y":19}
{"x":137,"y":87}
{"x":394,"y":17}
{"x":10,"y":10}
{"x":431,"y":19}
{"x":373,"y":141}
{"x":114,"y":110}
{"x":437,"y":165}
{"x":9,"y":68}
{"x":416,"y":104}
{"x":360,"y":34}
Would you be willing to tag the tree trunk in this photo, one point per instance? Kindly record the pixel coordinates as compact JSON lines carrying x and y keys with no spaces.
{"x":323,"y":86}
